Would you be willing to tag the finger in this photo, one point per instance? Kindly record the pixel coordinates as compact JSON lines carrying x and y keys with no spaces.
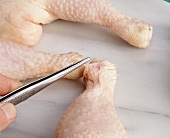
{"x":7,"y":115}
{"x":7,"y":85}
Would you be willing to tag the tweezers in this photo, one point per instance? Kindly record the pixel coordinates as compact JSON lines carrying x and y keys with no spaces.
{"x":19,"y":95}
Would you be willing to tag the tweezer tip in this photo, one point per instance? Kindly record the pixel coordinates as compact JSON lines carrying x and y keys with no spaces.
{"x":87,"y":58}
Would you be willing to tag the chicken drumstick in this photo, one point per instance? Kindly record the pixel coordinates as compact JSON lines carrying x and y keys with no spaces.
{"x":93,"y":114}
{"x":20,"y":63}
{"x":20,"y":19}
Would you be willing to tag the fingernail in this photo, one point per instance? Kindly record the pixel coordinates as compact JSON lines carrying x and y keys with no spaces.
{"x":10,"y":110}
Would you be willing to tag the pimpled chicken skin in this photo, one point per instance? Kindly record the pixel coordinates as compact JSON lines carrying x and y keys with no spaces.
{"x":20,"y":63}
{"x":20,"y":19}
{"x":93,"y":113}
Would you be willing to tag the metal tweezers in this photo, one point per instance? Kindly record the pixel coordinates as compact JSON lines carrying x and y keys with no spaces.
{"x":19,"y":95}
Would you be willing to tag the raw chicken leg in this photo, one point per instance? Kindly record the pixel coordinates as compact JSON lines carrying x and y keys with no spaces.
{"x":134,"y":31}
{"x":93,"y":114}
{"x":20,"y":19}
{"x":20,"y":63}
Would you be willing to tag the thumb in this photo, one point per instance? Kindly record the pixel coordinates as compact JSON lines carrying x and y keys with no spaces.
{"x":7,"y":84}
{"x":7,"y":114}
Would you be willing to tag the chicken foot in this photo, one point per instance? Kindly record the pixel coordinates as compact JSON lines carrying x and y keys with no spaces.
{"x":93,"y":113}
{"x":20,"y":19}
{"x":20,"y":63}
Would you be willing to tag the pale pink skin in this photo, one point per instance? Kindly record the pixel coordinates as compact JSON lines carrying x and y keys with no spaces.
{"x":93,"y":114}
{"x":20,"y":63}
{"x":20,"y":19}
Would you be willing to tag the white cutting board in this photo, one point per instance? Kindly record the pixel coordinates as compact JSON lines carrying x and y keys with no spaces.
{"x":142,"y":95}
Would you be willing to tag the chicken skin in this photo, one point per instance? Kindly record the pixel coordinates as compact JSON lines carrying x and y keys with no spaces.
{"x":93,"y":113}
{"x":20,"y":19}
{"x":21,"y":63}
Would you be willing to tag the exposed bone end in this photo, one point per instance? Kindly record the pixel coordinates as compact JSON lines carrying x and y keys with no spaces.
{"x":101,"y":70}
{"x":141,"y":35}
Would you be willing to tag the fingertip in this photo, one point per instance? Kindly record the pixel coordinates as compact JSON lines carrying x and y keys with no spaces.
{"x":7,"y":114}
{"x":8,"y":85}
{"x":10,"y":111}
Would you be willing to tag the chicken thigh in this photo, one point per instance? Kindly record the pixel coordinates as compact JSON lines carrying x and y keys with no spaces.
{"x":20,"y":63}
{"x":93,"y":113}
{"x":20,"y":19}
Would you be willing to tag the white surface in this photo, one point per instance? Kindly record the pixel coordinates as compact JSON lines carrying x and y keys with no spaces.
{"x":142,"y":95}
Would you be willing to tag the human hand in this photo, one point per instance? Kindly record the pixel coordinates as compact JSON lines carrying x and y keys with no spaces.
{"x":7,"y":110}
